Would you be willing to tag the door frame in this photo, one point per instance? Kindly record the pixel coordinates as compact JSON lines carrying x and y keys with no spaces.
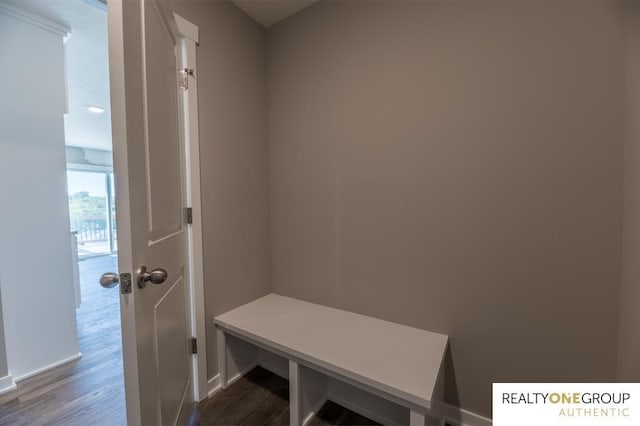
{"x":187,"y":42}
{"x":188,"y":60}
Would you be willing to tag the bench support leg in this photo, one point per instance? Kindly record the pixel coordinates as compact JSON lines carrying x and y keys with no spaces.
{"x":222,"y":357}
{"x":430,"y":418}
{"x":295,"y":406}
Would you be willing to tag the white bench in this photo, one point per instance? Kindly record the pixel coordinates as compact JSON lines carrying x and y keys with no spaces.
{"x":388,"y":372}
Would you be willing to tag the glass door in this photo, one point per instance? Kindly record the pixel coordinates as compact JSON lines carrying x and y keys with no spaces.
{"x":92,"y":212}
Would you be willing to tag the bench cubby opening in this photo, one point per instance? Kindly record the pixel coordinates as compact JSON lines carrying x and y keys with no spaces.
{"x":297,"y":340}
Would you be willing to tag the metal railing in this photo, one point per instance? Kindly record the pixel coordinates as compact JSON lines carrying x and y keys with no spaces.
{"x":90,"y":229}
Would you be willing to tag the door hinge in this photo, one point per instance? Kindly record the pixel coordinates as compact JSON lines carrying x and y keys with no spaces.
{"x":194,"y":345}
{"x":184,"y":77}
{"x":189,"y":214}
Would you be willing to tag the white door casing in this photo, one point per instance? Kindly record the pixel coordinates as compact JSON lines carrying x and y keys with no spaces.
{"x":189,"y":41}
{"x":150,"y":166}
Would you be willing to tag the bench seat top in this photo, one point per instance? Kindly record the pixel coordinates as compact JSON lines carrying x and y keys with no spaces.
{"x":399,"y":360}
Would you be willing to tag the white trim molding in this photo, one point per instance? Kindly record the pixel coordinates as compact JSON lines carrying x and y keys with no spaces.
{"x":456,"y":416}
{"x":35,"y":20}
{"x":189,"y":101}
{"x":48,"y":367}
{"x":7,"y":384}
{"x":213,"y":385}
{"x":187,"y":29}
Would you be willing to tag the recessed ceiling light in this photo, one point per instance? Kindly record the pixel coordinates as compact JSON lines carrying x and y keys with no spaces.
{"x":95,"y":109}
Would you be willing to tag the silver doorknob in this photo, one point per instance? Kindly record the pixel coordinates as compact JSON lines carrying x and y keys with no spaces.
{"x":109,"y":280}
{"x":157,"y":276}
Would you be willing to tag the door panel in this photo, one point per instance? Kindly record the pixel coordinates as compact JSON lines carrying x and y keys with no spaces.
{"x":148,"y":139}
{"x":163,"y":143}
{"x":172,"y":368}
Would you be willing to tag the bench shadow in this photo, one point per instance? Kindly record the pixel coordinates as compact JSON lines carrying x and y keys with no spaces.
{"x":330,"y":413}
{"x":269,"y":381}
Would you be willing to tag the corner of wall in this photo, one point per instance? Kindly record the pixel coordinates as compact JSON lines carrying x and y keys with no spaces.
{"x":628,"y":348}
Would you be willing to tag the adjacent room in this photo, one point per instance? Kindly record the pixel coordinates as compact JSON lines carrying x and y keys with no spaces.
{"x":61,"y":332}
{"x":332,"y":212}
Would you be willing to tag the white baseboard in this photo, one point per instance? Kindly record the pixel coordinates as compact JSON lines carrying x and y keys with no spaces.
{"x":7,"y":384}
{"x":213,"y":385}
{"x":460,"y":417}
{"x":244,"y":371}
{"x":48,"y":367}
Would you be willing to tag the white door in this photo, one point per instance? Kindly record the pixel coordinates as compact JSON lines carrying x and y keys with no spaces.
{"x":150,"y":199}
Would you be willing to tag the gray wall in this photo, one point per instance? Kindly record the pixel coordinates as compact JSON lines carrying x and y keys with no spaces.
{"x":629,"y":348}
{"x":456,"y":166}
{"x":234,"y":157}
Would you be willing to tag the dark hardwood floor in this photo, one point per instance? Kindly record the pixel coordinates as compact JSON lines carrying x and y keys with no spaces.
{"x":90,"y":391}
{"x":333,"y":414}
{"x":262,"y":398}
{"x":259,"y":398}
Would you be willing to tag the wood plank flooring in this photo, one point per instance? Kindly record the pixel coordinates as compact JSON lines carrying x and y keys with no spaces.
{"x":333,"y":414}
{"x":90,"y":391}
{"x":262,"y":398}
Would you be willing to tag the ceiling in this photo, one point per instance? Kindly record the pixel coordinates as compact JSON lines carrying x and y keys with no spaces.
{"x":269,"y":12}
{"x":88,"y":58}
{"x":87,"y":67}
